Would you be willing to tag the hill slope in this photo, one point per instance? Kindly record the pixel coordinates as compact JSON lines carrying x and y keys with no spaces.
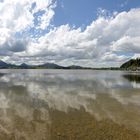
{"x":131,"y":64}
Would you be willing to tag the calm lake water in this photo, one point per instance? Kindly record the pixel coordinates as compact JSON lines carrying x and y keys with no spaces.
{"x":69,"y":105}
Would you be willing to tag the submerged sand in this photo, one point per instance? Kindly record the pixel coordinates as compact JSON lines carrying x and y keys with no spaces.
{"x":69,"y":105}
{"x":73,"y":125}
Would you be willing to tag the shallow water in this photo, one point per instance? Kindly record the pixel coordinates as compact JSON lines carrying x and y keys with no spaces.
{"x":69,"y":105}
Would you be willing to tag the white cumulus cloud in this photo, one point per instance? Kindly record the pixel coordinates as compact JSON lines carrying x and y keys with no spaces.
{"x":108,"y":40}
{"x":18,"y":16}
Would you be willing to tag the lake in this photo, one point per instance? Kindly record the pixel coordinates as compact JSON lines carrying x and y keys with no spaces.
{"x":69,"y":105}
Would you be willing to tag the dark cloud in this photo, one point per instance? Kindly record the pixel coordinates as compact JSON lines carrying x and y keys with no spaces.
{"x":16,"y":45}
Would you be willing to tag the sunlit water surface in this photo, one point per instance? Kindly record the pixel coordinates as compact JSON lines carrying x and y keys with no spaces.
{"x":69,"y":105}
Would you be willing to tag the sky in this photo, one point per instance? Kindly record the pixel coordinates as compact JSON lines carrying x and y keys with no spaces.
{"x":91,"y":33}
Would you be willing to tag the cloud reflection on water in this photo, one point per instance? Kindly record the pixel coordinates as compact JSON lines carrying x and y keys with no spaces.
{"x":104,"y":94}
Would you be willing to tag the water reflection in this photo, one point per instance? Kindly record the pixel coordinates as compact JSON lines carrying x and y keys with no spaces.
{"x":31,"y":101}
{"x":132,"y":77}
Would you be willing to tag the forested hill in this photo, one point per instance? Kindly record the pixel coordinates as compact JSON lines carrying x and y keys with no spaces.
{"x":131,"y":64}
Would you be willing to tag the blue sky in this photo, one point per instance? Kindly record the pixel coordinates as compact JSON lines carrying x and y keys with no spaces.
{"x":95,"y":33}
{"x":83,"y":12}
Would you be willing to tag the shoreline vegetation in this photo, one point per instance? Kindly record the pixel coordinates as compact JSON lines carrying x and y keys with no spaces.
{"x":131,"y":65}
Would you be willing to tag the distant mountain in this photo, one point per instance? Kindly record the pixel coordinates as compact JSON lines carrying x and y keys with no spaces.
{"x":74,"y":67}
{"x":51,"y":66}
{"x":4,"y":65}
{"x":131,"y":64}
{"x":24,"y":66}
